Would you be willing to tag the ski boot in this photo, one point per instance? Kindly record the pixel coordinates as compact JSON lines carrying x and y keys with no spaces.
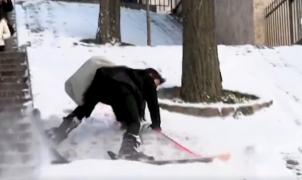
{"x":58,"y":134}
{"x":129,"y":149}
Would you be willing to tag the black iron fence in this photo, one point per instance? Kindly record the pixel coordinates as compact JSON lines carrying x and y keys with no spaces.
{"x":160,"y":5}
{"x":283,"y":20}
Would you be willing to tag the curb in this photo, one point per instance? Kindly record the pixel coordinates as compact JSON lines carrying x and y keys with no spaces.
{"x":216,"y":111}
{"x":204,"y":111}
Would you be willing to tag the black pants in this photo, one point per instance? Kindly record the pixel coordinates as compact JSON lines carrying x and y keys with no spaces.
{"x":123,"y":103}
{"x":126,"y":111}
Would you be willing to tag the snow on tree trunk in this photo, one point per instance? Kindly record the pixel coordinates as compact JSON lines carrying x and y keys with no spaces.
{"x":201,"y":78}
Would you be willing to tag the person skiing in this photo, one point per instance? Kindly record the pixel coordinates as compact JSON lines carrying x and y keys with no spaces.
{"x":127,"y":91}
{"x":6,"y":6}
{"x":4,"y":31}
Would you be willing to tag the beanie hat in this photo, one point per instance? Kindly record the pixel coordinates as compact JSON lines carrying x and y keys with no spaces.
{"x":155,"y":75}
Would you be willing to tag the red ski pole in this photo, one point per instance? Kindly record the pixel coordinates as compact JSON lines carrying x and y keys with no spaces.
{"x":178,"y":145}
{"x":222,"y":157}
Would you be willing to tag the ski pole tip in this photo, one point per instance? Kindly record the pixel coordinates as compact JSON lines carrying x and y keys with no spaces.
{"x":224,"y":157}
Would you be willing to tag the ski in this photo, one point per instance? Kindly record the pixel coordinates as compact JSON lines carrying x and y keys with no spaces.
{"x":223,"y":157}
{"x":114,"y":156}
{"x":57,"y":158}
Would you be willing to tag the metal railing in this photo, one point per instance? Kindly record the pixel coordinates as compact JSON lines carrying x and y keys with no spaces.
{"x":161,"y":5}
{"x":283,"y":19}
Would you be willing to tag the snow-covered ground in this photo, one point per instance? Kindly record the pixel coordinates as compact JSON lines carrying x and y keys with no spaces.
{"x":259,"y":144}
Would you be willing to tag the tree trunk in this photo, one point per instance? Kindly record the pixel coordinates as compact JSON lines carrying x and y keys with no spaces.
{"x":148,"y":23}
{"x":201,"y":78}
{"x":109,"y":30}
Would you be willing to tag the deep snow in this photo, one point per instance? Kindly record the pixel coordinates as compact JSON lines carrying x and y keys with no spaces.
{"x":259,"y":144}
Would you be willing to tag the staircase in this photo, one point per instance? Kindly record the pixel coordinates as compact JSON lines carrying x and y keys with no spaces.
{"x":17,"y":140}
{"x":14,"y":82}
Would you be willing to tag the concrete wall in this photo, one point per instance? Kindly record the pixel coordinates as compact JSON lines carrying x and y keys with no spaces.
{"x":234,"y":21}
{"x":259,"y":20}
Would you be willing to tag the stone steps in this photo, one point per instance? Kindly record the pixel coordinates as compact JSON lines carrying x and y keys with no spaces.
{"x":18,"y":141}
{"x":19,"y":137}
{"x":17,"y":79}
{"x":18,"y":147}
{"x":12,"y":68}
{"x":16,"y":172}
{"x":12,"y":57}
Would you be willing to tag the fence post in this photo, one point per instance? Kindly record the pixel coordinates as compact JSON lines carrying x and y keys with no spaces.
{"x":148,"y":23}
{"x":299,"y":6}
{"x":291,"y":28}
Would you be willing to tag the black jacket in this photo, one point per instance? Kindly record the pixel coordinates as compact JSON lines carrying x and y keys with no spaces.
{"x":138,"y":83}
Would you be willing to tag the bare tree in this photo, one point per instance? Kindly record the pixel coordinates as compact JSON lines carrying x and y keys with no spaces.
{"x":201,"y":78}
{"x":109,"y":30}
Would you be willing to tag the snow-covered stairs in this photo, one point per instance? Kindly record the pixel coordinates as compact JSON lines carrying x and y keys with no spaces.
{"x":17,"y":160}
{"x":14,"y":81}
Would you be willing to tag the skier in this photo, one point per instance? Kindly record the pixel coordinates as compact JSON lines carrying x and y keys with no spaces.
{"x":4,"y":31}
{"x":6,"y":6}
{"x":126,"y":90}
